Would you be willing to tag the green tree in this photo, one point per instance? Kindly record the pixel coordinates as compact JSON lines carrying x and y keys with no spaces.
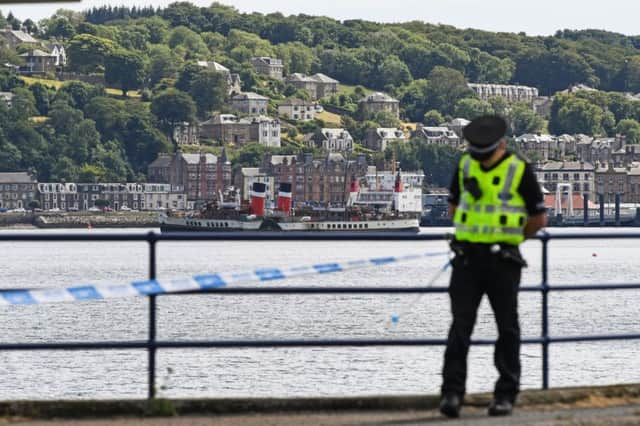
{"x":124,"y":68}
{"x":630,"y":129}
{"x":432,"y":118}
{"x":523,"y":119}
{"x":445,"y":88}
{"x":162,"y":64}
{"x":471,"y":108}
{"x":209,"y":91}
{"x":172,"y":107}
{"x":87,"y":53}
{"x":81,"y":93}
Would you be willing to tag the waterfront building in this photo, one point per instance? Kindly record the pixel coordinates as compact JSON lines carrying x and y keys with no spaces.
{"x":384,"y":180}
{"x":200,"y":176}
{"x":271,"y":67}
{"x":58,"y":196}
{"x":161,"y":197}
{"x":579,"y":174}
{"x":17,"y":190}
{"x":158,"y":170}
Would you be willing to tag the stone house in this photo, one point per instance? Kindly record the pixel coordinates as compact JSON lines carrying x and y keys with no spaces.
{"x":377,"y":102}
{"x":377,"y":139}
{"x":298,"y":109}
{"x":58,"y":195}
{"x":271,"y":67}
{"x":332,"y":139}
{"x":437,"y":135}
{"x":228,"y":129}
{"x":318,"y":85}
{"x":17,"y":190}
{"x":200,"y":176}
{"x":14,"y":38}
{"x":186,"y":134}
{"x":250,"y":103}
{"x":538,"y":147}
{"x":38,"y":62}
{"x":158,"y":170}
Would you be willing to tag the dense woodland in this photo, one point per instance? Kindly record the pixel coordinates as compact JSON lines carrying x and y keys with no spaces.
{"x":80,"y":132}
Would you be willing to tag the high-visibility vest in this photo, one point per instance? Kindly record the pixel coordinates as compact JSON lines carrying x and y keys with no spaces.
{"x":499,"y":215}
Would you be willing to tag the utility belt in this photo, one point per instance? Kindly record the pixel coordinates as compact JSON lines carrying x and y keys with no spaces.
{"x":483,"y":251}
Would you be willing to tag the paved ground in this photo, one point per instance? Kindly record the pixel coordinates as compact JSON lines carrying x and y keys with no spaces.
{"x":555,"y":415}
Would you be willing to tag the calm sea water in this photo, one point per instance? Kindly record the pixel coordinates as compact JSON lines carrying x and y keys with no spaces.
{"x":306,"y":371}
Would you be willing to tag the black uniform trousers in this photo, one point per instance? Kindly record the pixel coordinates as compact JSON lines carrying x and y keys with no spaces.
{"x":475,"y":273}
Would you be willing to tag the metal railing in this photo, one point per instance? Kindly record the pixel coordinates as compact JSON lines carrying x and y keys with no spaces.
{"x":152,"y":344}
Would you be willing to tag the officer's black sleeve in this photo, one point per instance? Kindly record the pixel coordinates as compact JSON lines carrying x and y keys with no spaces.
{"x":454,"y":188}
{"x":530,"y":190}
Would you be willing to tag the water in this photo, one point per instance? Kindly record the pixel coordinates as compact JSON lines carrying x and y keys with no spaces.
{"x":298,"y":371}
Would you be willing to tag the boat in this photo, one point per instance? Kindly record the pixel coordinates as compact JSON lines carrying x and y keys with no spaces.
{"x":364,"y":211}
{"x":223,"y":214}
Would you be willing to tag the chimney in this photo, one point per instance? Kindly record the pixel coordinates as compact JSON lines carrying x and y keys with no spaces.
{"x":284,"y":197}
{"x":257,"y":198}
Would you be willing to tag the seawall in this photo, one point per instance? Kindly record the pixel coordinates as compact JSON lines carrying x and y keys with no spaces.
{"x":97,"y":220}
{"x":581,"y":397}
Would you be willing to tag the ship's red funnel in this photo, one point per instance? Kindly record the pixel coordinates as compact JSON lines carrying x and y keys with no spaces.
{"x":284,"y":197}
{"x":398,"y":186}
{"x":257,"y":198}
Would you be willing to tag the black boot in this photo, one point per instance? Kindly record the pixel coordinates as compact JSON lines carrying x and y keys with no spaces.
{"x":500,"y":406}
{"x":450,"y":404}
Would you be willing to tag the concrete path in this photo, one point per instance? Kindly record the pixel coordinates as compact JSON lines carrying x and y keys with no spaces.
{"x":476,"y":416}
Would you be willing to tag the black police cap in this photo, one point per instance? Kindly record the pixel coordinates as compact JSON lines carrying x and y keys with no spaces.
{"x":484,"y":132}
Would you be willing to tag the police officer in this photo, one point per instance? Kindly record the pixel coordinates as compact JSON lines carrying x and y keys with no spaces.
{"x":496,"y":203}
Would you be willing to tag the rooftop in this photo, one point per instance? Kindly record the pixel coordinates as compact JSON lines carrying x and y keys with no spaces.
{"x":17,"y":177}
{"x":249,"y":96}
{"x":379,"y":97}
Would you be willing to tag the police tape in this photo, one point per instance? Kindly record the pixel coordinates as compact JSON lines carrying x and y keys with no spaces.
{"x":197,"y":282}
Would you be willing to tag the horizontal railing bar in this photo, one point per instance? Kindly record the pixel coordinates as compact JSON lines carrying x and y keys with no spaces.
{"x":368,"y":290}
{"x":283,"y":343}
{"x":282,"y":236}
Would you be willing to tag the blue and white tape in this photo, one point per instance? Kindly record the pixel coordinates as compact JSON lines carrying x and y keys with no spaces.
{"x":197,"y":282}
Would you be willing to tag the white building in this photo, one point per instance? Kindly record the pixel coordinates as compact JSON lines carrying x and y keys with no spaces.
{"x":385,"y":180}
{"x":159,"y":196}
{"x":511,"y":93}
{"x":437,"y":135}
{"x":333,"y":139}
{"x":298,"y":109}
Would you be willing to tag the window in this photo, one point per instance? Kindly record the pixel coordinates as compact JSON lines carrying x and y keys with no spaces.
{"x":576,"y":176}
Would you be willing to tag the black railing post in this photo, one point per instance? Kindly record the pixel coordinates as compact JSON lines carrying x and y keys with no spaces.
{"x":545,"y":311}
{"x":151,"y":344}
